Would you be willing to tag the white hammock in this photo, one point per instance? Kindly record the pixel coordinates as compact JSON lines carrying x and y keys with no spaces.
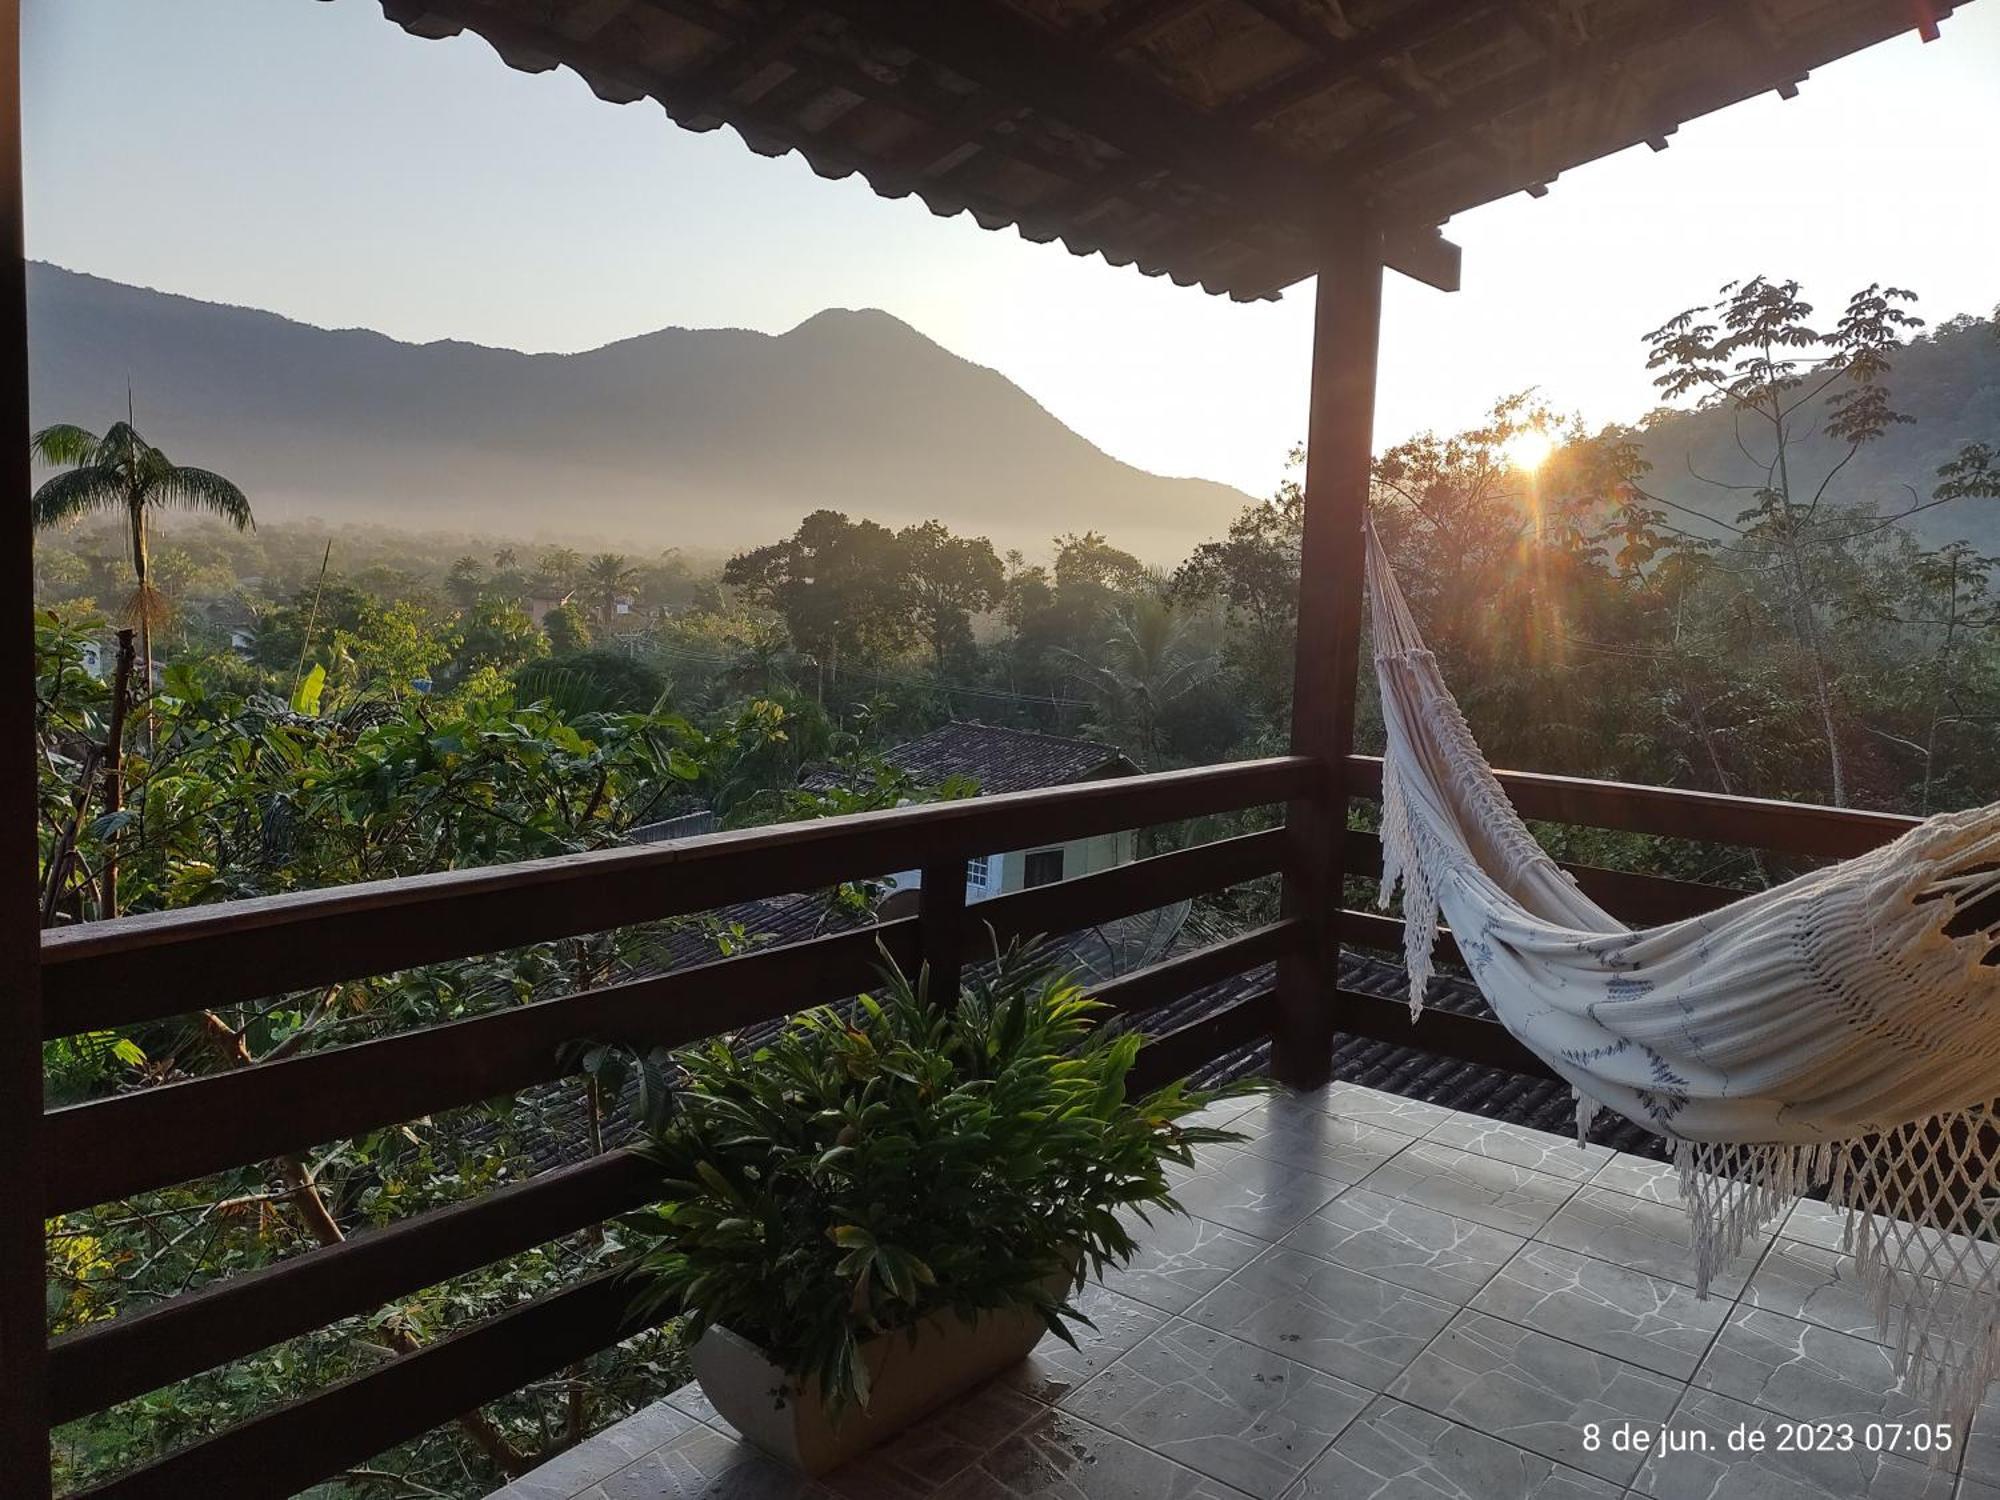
{"x":1825,"y":1032}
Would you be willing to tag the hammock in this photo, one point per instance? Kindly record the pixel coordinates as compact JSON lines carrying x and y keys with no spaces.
{"x":1841,"y":1030}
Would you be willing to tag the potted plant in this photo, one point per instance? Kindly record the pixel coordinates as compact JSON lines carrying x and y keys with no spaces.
{"x":890,"y":1203}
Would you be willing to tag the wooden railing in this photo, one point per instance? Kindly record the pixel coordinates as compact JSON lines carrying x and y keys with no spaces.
{"x":149,"y":967}
{"x":146,"y":968}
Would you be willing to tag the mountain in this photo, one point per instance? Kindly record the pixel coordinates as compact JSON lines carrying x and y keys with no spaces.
{"x":1947,"y":382}
{"x":696,"y":437}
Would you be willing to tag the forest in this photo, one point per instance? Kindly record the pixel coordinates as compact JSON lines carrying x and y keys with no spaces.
{"x":334,"y":704}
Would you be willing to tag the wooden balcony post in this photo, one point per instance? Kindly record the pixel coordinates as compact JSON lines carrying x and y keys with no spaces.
{"x":941,"y":928}
{"x":1339,"y":437}
{"x":24,"y":1409}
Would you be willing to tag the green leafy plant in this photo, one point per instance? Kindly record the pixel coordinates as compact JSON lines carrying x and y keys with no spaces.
{"x":868,"y":1169}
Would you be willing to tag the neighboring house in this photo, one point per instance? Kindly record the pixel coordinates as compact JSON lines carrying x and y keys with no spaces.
{"x":1014,"y":760}
{"x":687,"y":825}
{"x":541,"y":606}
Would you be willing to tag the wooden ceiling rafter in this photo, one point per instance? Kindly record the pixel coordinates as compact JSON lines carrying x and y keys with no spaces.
{"x":1490,"y":106}
{"x":1144,"y":121}
{"x":1342,"y":58}
{"x":1136,"y":23}
{"x":743,"y":56}
{"x":1361,"y":64}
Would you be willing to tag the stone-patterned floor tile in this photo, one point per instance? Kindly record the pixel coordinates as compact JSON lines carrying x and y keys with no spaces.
{"x":1325,"y":1315}
{"x":1639,"y":1177}
{"x":1797,"y":1369}
{"x":600,"y":1456}
{"x":1821,"y":1286}
{"x":1351,"y":1101}
{"x":1055,"y":1368}
{"x":1711,"y":1461}
{"x":691,"y":1399}
{"x":1238,"y":1413}
{"x":1255,"y":1195}
{"x":1294,"y":1132}
{"x":1060,"y":1457}
{"x":1982,"y":1446}
{"x":1406,"y":1243}
{"x":702,"y":1464}
{"x":1209,"y":1156}
{"x":1398,"y":1452}
{"x":921,"y":1460}
{"x":1649,"y":1237}
{"x":1536,"y":1392}
{"x":1469,"y":1186}
{"x":1221,"y":1112}
{"x":1947,"y":1256}
{"x":1538,"y":1150}
{"x":1180,"y":1259}
{"x":1646,"y":1320}
{"x":1973,"y":1489}
{"x":1815,"y":1223}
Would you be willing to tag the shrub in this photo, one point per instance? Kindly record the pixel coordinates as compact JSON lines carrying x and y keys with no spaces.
{"x":866,"y":1170}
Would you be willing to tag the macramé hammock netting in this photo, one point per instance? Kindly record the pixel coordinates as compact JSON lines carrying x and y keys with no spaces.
{"x":1839,"y":1032}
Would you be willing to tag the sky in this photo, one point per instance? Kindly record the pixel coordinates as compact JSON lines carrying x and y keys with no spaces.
{"x":314,"y":160}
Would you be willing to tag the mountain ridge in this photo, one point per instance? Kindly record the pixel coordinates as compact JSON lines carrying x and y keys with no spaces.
{"x":676,"y":436}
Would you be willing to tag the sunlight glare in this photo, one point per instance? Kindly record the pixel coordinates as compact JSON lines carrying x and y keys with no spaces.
{"x":1529,"y":448}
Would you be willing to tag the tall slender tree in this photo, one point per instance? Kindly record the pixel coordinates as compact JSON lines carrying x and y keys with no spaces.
{"x":122,"y":472}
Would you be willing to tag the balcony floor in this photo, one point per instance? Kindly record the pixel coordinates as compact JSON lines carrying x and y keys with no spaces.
{"x":1382,"y":1298}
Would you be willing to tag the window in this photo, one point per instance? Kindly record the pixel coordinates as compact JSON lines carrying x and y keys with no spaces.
{"x":976,"y":875}
{"x":1044,"y":867}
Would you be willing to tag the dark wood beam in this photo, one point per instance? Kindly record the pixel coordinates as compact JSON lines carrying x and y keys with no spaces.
{"x":1147,"y":122}
{"x":1339,"y":443}
{"x":1588,"y":67}
{"x":24,"y":1412}
{"x":1341,"y":58}
{"x":1676,"y":812}
{"x":1137,"y":22}
{"x":742,"y":58}
{"x":1357,"y":60}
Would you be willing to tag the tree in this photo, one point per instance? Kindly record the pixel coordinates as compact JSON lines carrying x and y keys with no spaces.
{"x":498,"y":635}
{"x":559,"y":568}
{"x":1757,"y":353}
{"x":1254,"y":572}
{"x":123,"y":472}
{"x":1148,"y":662}
{"x":950,"y":578}
{"x":464,"y":580}
{"x":838,"y":583}
{"x":608,"y":579}
{"x":567,"y":627}
{"x":392,"y":649}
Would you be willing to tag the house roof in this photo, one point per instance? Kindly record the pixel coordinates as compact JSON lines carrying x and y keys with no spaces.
{"x":1004,"y":760}
{"x":1208,"y":140}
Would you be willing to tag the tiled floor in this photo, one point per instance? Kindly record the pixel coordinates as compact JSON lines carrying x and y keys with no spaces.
{"x":1385,"y":1300}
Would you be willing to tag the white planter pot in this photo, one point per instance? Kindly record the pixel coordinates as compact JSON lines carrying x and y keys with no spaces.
{"x":906,"y":1381}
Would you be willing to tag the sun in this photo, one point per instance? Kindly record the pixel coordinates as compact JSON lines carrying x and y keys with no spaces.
{"x":1529,"y":448}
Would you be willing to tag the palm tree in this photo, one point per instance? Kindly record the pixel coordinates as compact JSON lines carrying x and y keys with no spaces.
{"x":608,"y":576}
{"x":123,"y":472}
{"x":1149,"y":662}
{"x":558,"y":567}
